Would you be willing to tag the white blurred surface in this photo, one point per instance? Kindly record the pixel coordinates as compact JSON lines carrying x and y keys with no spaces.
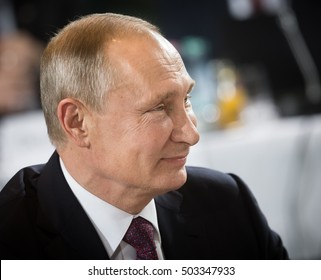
{"x":23,"y":142}
{"x":279,"y":159}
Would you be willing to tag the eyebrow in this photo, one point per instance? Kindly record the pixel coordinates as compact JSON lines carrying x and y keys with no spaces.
{"x":167,"y":95}
{"x":191,"y":86}
{"x":162,"y":96}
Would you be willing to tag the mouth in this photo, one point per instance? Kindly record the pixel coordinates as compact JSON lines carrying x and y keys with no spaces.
{"x":176,"y":160}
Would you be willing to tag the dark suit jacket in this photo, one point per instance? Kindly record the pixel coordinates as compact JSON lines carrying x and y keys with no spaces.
{"x":213,"y":216}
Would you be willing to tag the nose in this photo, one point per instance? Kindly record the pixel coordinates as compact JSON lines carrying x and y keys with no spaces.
{"x":185,"y":128}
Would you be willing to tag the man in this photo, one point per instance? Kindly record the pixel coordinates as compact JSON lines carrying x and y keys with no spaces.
{"x":115,"y":96}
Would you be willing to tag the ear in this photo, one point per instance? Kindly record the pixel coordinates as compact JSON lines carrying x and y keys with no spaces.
{"x":72,"y":116}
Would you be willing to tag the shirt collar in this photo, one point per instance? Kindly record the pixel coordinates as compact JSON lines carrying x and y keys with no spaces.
{"x":111,"y":221}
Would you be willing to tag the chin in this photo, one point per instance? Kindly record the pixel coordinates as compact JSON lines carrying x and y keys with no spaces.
{"x":176,"y":180}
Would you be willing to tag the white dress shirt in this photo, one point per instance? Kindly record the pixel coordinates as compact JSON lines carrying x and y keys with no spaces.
{"x":111,"y":222}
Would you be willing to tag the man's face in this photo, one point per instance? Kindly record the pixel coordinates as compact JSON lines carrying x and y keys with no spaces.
{"x":142,"y":139}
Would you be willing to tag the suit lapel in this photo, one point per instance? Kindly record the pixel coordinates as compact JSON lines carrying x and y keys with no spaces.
{"x":66,"y":228}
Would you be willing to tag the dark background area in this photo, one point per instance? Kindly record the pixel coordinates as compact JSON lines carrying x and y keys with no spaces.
{"x":257,"y":40}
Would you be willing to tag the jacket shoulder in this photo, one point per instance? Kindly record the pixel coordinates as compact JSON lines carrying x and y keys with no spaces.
{"x":18,"y":207}
{"x":210,"y":180}
{"x":211,"y":192}
{"x":207,"y":188}
{"x":20,"y":184}
{"x":218,"y":188}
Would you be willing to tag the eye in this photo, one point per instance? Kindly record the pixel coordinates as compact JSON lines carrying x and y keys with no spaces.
{"x":187,"y":100}
{"x":158,"y":108}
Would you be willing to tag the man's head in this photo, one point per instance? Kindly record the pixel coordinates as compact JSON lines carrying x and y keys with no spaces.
{"x":116,"y":100}
{"x":76,"y":64}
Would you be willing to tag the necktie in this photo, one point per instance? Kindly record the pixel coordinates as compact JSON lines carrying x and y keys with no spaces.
{"x":140,"y":235}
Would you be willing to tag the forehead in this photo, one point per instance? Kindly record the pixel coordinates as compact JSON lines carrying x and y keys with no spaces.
{"x":146,"y":59}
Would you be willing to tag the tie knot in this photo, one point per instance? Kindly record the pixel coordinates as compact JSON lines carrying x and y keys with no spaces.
{"x":140,"y":235}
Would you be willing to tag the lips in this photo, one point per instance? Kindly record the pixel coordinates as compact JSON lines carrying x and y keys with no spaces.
{"x":173,"y":156}
{"x":176,"y":160}
{"x":177,"y":154}
{"x":176,"y":157}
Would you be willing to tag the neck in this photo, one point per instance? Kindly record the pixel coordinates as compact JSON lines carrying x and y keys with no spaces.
{"x":124,"y":198}
{"x":127,"y":198}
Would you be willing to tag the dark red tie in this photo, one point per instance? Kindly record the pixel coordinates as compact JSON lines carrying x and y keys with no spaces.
{"x":140,"y":235}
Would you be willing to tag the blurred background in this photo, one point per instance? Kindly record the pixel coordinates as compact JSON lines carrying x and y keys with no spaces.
{"x":257,"y":68}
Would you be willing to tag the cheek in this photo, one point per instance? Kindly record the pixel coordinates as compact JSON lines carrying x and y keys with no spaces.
{"x":160,"y":131}
{"x":150,"y":140}
{"x":154,"y":140}
{"x":155,"y":126}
